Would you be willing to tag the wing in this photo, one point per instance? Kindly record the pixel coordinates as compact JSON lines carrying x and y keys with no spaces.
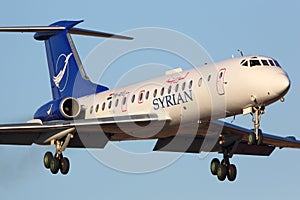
{"x":236,"y":137}
{"x":93,"y":133}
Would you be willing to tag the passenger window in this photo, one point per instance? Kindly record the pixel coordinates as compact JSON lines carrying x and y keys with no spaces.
{"x":147,"y":95}
{"x":170,"y":89}
{"x":183,"y":86}
{"x":271,"y":62}
{"x":254,"y":63}
{"x":191,"y":84}
{"x":162,"y":91}
{"x":200,"y":82}
{"x":221,"y":74}
{"x":176,"y":87}
{"x":141,"y":96}
{"x":91,"y":110}
{"x":116,"y":103}
{"x":208,"y":78}
{"x":132,"y":98}
{"x":155,"y":93}
{"x":97,"y":107}
{"x":109,"y":104}
{"x":265,"y":62}
{"x":124,"y":101}
{"x":103,"y":106}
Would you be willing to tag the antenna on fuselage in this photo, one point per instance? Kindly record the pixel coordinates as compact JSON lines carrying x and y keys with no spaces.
{"x":241,"y":52}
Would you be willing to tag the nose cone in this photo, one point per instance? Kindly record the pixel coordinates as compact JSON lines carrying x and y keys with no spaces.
{"x":282,"y":85}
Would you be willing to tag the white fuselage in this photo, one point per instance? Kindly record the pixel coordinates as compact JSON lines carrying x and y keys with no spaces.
{"x":211,"y":91}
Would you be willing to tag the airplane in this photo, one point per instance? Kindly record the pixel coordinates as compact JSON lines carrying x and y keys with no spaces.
{"x":183,"y":109}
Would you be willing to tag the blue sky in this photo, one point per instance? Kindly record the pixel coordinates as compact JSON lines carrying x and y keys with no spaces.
{"x":257,"y":27}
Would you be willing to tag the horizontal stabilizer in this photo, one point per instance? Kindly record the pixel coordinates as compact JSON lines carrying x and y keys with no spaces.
{"x":79,"y":31}
{"x":75,"y":31}
{"x":31,"y":29}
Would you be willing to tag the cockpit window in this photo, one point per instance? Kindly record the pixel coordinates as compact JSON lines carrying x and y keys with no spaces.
{"x":254,"y":63}
{"x":277,"y":64}
{"x":271,"y":62}
{"x":265,"y":62}
{"x":245,"y":64}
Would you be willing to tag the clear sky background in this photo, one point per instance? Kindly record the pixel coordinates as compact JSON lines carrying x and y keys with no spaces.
{"x":257,"y":27}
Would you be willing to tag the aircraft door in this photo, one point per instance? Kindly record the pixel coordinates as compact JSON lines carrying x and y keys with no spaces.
{"x":124,"y":103}
{"x":220,"y":81}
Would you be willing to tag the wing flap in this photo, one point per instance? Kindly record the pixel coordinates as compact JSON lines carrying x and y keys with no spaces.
{"x":179,"y":144}
{"x":23,"y":134}
{"x":269,"y":139}
{"x":94,"y":133}
{"x":231,"y":133}
{"x":281,"y":142}
{"x":190,"y":145}
{"x":262,"y":150}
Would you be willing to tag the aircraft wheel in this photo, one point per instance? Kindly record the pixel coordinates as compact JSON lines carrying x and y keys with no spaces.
{"x":47,"y":159}
{"x":221,"y":172}
{"x":214,"y":166}
{"x":54,"y":165}
{"x":251,"y":139}
{"x":231,"y":172}
{"x":64,"y":165}
{"x":260,"y":137}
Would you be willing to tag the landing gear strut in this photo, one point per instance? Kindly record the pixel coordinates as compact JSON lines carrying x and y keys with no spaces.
{"x":223,"y":169}
{"x":57,"y":162}
{"x":256,"y":137}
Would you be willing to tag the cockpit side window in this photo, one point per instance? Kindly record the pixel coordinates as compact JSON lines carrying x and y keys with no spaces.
{"x":276,"y":63}
{"x":265,"y":62}
{"x":271,"y":62}
{"x":254,"y":63}
{"x":244,"y":63}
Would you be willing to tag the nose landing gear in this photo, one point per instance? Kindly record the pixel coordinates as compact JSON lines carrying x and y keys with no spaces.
{"x":256,"y":137}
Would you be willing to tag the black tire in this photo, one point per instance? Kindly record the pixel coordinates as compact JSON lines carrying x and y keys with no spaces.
{"x":54,"y":165}
{"x":222,"y":171}
{"x":231,"y":172}
{"x":260,"y":137}
{"x":214,"y":165}
{"x":64,"y":165}
{"x":251,"y":138}
{"x":47,"y":159}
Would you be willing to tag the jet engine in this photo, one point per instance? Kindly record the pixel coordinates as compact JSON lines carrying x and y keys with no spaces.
{"x":60,"y":109}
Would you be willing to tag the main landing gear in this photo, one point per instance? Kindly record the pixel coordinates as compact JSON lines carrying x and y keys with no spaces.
{"x":57,"y":162}
{"x":224,"y":169}
{"x":256,"y":137}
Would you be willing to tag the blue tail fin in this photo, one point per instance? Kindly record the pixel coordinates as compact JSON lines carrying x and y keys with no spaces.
{"x":67,"y":76}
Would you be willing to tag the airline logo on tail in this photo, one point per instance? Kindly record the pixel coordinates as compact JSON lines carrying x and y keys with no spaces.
{"x":61,"y":79}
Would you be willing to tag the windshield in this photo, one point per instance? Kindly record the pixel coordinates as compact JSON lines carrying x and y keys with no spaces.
{"x":255,"y":61}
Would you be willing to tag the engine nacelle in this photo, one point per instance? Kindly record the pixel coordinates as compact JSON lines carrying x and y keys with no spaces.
{"x":69,"y":108}
{"x":61,"y":109}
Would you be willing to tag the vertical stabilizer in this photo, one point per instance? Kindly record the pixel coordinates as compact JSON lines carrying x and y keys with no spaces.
{"x":67,"y":76}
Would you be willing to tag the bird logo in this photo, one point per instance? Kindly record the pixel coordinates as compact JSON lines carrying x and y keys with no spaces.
{"x":62,"y":73}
